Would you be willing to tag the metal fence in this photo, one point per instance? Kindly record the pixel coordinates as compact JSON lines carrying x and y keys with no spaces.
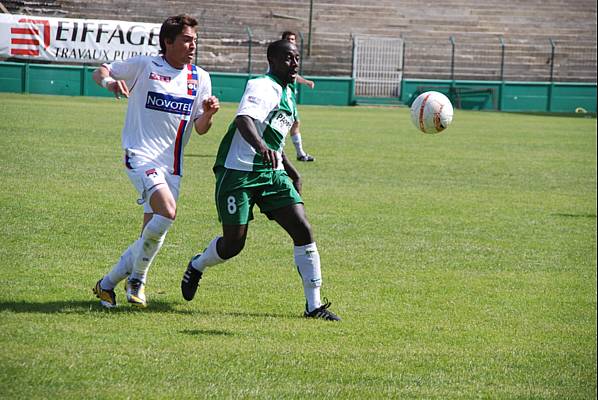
{"x":377,"y":66}
{"x":471,"y":57}
{"x":500,"y":59}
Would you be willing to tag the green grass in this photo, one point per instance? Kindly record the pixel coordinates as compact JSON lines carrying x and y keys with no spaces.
{"x":463,"y":264}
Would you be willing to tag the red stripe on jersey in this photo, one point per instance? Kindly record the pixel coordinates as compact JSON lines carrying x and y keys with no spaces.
{"x":189,"y":79}
{"x":178,"y":147}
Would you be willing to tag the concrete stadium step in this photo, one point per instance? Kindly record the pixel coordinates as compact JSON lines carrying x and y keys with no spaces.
{"x":525,"y":26}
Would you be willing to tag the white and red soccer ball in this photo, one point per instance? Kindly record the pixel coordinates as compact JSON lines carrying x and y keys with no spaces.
{"x":431,"y":112}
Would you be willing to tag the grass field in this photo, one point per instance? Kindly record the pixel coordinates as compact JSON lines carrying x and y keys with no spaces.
{"x":463,"y":264}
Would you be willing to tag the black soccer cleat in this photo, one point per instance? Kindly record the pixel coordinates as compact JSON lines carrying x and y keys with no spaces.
{"x":322,"y":312}
{"x":190,"y":282}
{"x":306,"y":158}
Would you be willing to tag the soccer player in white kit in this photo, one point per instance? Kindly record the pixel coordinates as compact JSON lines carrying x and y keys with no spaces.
{"x":168,"y":98}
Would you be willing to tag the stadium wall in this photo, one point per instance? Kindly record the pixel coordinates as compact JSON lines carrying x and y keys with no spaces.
{"x":476,"y":95}
{"x":555,"y":97}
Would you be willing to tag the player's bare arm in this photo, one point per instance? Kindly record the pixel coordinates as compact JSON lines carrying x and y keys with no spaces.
{"x":247,"y":128}
{"x":102,"y":77}
{"x":292,"y":172}
{"x":304,"y":81}
{"x":211,"y":105}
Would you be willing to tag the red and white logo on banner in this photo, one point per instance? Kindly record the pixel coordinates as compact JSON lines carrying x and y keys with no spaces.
{"x":26,"y":39}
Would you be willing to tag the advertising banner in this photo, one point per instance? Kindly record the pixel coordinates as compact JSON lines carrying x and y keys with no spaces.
{"x":80,"y":41}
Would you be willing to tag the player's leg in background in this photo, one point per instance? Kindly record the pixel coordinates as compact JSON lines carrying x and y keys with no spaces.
{"x":298,"y":143}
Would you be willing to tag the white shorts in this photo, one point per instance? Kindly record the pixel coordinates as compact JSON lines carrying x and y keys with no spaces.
{"x":148,"y":177}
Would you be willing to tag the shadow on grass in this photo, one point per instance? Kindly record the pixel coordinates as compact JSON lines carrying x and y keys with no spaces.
{"x":80,"y":307}
{"x":206,"y":332}
{"x":255,"y":314}
{"x":576,"y":215}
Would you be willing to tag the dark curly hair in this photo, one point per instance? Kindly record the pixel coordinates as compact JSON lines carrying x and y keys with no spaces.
{"x":286,"y":34}
{"x":174,"y":26}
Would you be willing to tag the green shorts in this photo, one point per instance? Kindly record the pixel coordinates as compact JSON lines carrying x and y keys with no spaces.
{"x":237,"y":191}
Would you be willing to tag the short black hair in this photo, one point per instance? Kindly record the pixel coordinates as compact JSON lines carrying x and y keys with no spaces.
{"x":172,"y":27}
{"x":277,"y":47}
{"x":286,"y":34}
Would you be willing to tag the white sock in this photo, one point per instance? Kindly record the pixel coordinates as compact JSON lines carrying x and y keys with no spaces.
{"x":307,"y":260}
{"x":148,"y":245}
{"x":120,"y":270}
{"x":298,"y":144}
{"x":208,"y":258}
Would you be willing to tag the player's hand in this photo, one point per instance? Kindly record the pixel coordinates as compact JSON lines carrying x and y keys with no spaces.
{"x":269,"y":156}
{"x":118,"y":88}
{"x":298,"y":184}
{"x":310,"y":84}
{"x":211,"y":105}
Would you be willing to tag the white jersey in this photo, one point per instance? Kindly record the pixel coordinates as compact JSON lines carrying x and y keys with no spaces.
{"x":162,"y":102}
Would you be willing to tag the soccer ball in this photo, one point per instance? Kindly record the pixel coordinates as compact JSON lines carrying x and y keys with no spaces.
{"x":431,"y":112}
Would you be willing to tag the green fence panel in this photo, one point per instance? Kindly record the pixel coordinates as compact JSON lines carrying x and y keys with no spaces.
{"x":328,"y":91}
{"x":228,"y":87}
{"x":475,"y":95}
{"x":61,"y":80}
{"x":509,"y":95}
{"x":569,"y":98}
{"x":90,"y":88}
{"x":12,"y":77}
{"x":526,"y":96}
{"x":414,"y":87}
{"x":468,"y":95}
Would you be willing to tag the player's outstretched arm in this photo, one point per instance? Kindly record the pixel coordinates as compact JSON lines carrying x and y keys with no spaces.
{"x":102,"y":77}
{"x":211,"y":105}
{"x":304,"y":81}
{"x":247,"y":128}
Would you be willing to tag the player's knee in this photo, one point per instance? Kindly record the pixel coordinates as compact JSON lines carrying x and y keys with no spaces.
{"x":302,"y":233}
{"x":231,"y":251}
{"x":163,"y":203}
{"x":231,"y":248}
{"x":169,"y":212}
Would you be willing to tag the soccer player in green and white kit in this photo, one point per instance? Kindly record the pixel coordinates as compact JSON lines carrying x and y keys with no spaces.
{"x":251,"y":168}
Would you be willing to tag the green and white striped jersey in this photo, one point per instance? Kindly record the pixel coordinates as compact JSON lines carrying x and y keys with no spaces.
{"x":274,"y":110}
